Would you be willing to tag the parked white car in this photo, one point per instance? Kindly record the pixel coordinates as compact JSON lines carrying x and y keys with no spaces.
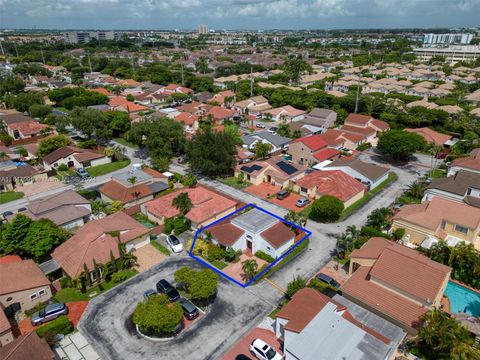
{"x":174,"y":243}
{"x":263,"y":351}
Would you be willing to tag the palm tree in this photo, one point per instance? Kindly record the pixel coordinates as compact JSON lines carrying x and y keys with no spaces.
{"x":352,"y":231}
{"x":416,"y":189}
{"x":250,"y":267}
{"x":132,"y":180}
{"x":183,"y":203}
{"x":117,"y":152}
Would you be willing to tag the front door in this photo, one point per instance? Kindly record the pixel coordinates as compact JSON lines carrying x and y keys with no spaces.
{"x":249,"y":245}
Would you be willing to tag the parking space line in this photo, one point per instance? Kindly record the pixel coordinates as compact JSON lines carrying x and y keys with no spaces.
{"x":276,"y":286}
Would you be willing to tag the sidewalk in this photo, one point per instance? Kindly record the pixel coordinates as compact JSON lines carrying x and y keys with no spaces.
{"x":75,"y":347}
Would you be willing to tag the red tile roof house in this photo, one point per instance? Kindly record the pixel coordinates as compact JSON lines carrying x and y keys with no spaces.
{"x":220,"y":114}
{"x":338,"y":138}
{"x":431,"y":136}
{"x":222,"y":97}
{"x":74,"y":157}
{"x":28,"y":346}
{"x":310,"y":150}
{"x":94,"y":240}
{"x":22,"y":285}
{"x":208,"y":206}
{"x":286,"y":113}
{"x":27,"y":129}
{"x":174,"y":88}
{"x":314,"y":326}
{"x":148,"y":182}
{"x":253,"y":231}
{"x":335,"y":183}
{"x":395,"y":282}
{"x":122,"y":104}
{"x":190,"y":122}
{"x":470,"y":163}
{"x":6,"y":335}
{"x":366,"y":121}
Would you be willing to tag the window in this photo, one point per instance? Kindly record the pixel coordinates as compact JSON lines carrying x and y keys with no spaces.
{"x":303,"y":189}
{"x":443,"y":224}
{"x":42,"y":293}
{"x":461,"y":229}
{"x":469,"y":191}
{"x":9,"y":298}
{"x":33,"y":296}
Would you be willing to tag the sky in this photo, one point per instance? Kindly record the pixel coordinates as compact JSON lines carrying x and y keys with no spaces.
{"x":237,"y":14}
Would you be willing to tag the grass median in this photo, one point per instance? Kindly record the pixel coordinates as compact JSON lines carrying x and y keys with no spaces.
{"x":100,"y":170}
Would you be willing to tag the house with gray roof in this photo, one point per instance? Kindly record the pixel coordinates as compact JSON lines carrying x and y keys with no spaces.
{"x":463,"y":187}
{"x":323,"y":118}
{"x":278,"y":143}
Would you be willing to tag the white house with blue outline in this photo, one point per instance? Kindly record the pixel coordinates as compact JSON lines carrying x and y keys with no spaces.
{"x":252,"y":231}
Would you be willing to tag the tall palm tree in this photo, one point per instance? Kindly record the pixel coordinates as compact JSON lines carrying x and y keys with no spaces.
{"x":183,"y":203}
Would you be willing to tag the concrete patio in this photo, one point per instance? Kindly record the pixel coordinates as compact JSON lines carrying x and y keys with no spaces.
{"x":234,"y":270}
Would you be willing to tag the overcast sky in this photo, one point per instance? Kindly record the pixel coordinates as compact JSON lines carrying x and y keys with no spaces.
{"x":237,"y":14}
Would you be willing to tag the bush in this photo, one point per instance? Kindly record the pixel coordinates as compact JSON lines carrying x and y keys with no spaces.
{"x":120,"y":276}
{"x":214,"y":252}
{"x":157,"y":315}
{"x":322,"y":287}
{"x":65,"y":282}
{"x":364,"y":147}
{"x":60,"y":325}
{"x":399,"y":233}
{"x":177,"y":224}
{"x":326,"y":209}
{"x":230,"y":254}
{"x":295,"y":285}
{"x":201,"y":285}
{"x":63,"y":167}
{"x":200,"y":247}
{"x":372,"y":232}
{"x":262,"y":255}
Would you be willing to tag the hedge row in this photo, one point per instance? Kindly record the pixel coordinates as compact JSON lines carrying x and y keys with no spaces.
{"x":60,"y":325}
{"x":264,"y":256}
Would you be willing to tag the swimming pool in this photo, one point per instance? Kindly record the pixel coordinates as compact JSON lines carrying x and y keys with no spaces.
{"x":463,"y":299}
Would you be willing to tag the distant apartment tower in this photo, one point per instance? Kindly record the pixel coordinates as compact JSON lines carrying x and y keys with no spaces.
{"x":82,"y":37}
{"x":447,"y":39}
{"x":202,"y":29}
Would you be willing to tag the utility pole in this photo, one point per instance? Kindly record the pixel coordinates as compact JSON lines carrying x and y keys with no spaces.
{"x":15,"y":46}
{"x":251,"y":81}
{"x":1,"y":47}
{"x":358,"y":93}
{"x":43,"y":57}
{"x":89,"y":63}
{"x":183,"y":79}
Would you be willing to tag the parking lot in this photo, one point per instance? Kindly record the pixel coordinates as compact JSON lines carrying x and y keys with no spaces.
{"x":107,"y":326}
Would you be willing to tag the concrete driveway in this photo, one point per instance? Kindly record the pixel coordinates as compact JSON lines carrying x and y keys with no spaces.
{"x":107,"y":327}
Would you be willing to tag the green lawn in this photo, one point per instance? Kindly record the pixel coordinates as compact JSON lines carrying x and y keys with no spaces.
{"x":163,"y":249}
{"x":233,"y":182}
{"x":97,"y":290}
{"x":69,"y":294}
{"x":439,"y":173}
{"x":219,"y":264}
{"x":107,"y":168}
{"x":8,"y":196}
{"x":125,"y":143}
{"x":357,"y":205}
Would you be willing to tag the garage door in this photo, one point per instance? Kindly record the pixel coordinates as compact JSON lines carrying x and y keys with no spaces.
{"x":137,"y":244}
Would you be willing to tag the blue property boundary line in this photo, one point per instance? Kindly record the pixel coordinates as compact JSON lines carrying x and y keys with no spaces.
{"x":218,"y":271}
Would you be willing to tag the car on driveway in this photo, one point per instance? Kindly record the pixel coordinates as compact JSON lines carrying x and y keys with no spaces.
{"x":260,"y":125}
{"x":50,"y":312}
{"x":189,"y":310}
{"x":174,"y":243}
{"x":302,"y":202}
{"x":164,"y":287}
{"x":263,"y":351}
{"x":282,"y":194}
{"x":327,"y":280}
{"x":82,"y":173}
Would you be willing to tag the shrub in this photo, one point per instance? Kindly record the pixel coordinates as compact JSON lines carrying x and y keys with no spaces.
{"x":322,"y":287}
{"x":364,"y":147}
{"x":326,"y":209}
{"x":214,"y":252}
{"x":201,"y":285}
{"x":120,"y":276}
{"x":157,"y":315}
{"x":177,"y":224}
{"x":295,"y":285}
{"x":399,"y":233}
{"x":200,"y":247}
{"x":63,"y":167}
{"x":230,"y":254}
{"x":371,"y":232}
{"x":264,"y":256}
{"x":65,"y":282}
{"x":60,"y":325}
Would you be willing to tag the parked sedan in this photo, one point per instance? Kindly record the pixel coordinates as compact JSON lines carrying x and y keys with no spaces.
{"x":302,"y":202}
{"x":260,"y":125}
{"x":189,"y":309}
{"x":263,"y":351}
{"x":174,"y":243}
{"x":82,"y":173}
{"x":164,"y":287}
{"x":327,"y":280}
{"x":50,"y":312}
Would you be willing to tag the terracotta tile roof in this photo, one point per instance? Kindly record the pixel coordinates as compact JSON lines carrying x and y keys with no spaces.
{"x":93,"y":241}
{"x":333,"y":137}
{"x":380,"y":124}
{"x":206,"y":204}
{"x":278,"y":234}
{"x":28,"y":127}
{"x":9,"y":259}
{"x":28,"y":346}
{"x":398,"y":307}
{"x":325,"y":154}
{"x":102,"y":91}
{"x":154,"y":173}
{"x":335,"y":183}
{"x":471,"y":162}
{"x":303,"y":307}
{"x":129,"y":83}
{"x":87,"y":156}
{"x":314,"y":142}
{"x":116,"y":191}
{"x":66,"y":151}
{"x":358,"y":119}
{"x":220,"y":113}
{"x":290,"y":110}
{"x":20,"y":275}
{"x":186,"y":118}
{"x":358,"y":130}
{"x":431,"y":136}
{"x":431,"y":213}
{"x":118,"y":101}
{"x":226,"y":233}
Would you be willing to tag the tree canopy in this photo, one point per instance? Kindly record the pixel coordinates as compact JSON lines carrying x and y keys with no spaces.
{"x":400,"y":144}
{"x":90,"y":122}
{"x":211,"y":153}
{"x":201,"y":285}
{"x":52,"y":143}
{"x":157,"y":315}
{"x":326,"y":209}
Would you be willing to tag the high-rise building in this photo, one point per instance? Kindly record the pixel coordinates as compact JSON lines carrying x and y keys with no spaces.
{"x":82,"y":37}
{"x":447,"y":39}
{"x":203,"y":29}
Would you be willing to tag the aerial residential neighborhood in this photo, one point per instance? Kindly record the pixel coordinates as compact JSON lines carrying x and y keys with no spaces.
{"x":295,"y":180}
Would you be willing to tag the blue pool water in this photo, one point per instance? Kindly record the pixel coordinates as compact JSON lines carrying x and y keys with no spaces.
{"x":463,"y":299}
